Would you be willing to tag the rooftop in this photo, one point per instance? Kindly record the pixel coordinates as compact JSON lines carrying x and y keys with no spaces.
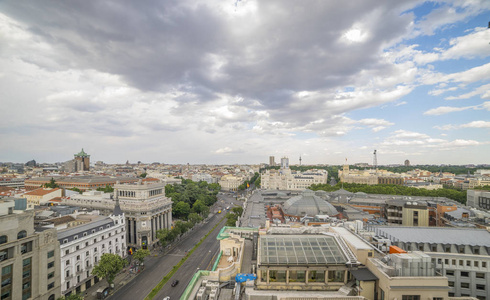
{"x":436,"y":235}
{"x":300,"y":250}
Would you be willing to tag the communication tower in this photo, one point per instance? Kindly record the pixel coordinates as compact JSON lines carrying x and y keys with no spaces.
{"x":375,"y":161}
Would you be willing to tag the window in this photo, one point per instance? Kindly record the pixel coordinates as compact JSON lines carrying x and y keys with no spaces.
{"x":78,"y":257}
{"x":93,"y":230}
{"x":67,"y":263}
{"x":468,"y":263}
{"x":480,"y":287}
{"x":26,"y":274}
{"x":460,"y":262}
{"x":95,"y":241}
{"x":483,"y":264}
{"x":103,"y":246}
{"x":297,"y":276}
{"x":50,"y":254}
{"x":480,"y":275}
{"x":6,"y":253}
{"x":476,"y":251}
{"x":78,"y":268}
{"x":87,"y":263}
{"x":67,"y":252}
{"x":465,"y":274}
{"x":3,"y":239}
{"x":77,"y":247}
{"x":86,"y":244}
{"x":450,"y":272}
{"x":95,"y":249}
{"x":336,"y":276}
{"x":475,"y":263}
{"x":446,"y":261}
{"x":6,"y":270}
{"x":65,"y":241}
{"x":50,"y":275}
{"x":26,"y":247}
{"x":410,"y":297}
{"x":465,"y":285}
{"x":75,"y":237}
{"x":103,"y":237}
{"x":450,"y":283}
{"x":50,"y":265}
{"x":67,"y":273}
{"x":26,"y":262}
{"x":68,"y":285}
{"x":87,"y":253}
{"x":26,"y":285}
{"x":22,"y":234}
{"x":454,"y":262}
{"x":95,"y":259}
{"x":51,"y":285}
{"x":84,"y":234}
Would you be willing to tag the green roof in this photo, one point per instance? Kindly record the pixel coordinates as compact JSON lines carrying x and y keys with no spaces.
{"x":82,"y":154}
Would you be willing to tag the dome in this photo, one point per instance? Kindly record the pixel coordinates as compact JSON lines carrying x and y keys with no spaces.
{"x":308,"y":204}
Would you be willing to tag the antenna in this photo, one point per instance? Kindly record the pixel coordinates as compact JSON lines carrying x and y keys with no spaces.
{"x":375,"y":161}
{"x":300,"y":160}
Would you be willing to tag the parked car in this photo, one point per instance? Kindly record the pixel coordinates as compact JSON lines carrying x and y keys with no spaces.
{"x":175,"y":282}
{"x":166,"y":298}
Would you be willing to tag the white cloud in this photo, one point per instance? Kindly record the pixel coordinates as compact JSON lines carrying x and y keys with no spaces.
{"x":474,"y":124}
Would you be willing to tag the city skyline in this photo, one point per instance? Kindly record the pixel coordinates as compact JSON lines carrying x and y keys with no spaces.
{"x":224,"y":82}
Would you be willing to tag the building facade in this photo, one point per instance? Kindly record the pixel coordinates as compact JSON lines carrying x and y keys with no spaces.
{"x":478,"y":199}
{"x":84,"y":183}
{"x":30,"y":261}
{"x":82,"y":246}
{"x":145,"y":206}
{"x":460,"y":254}
{"x":285,"y":179}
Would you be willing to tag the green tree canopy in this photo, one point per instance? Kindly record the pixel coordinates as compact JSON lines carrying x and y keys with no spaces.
{"x":194,"y":218}
{"x":140,"y":255}
{"x":51,"y":184}
{"x":106,"y":189}
{"x":108,"y":266}
{"x":181,"y":210}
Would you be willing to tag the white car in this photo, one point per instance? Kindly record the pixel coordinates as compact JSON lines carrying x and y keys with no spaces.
{"x":166,"y":298}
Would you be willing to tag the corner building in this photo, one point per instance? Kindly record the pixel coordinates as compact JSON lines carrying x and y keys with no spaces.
{"x":30,"y":261}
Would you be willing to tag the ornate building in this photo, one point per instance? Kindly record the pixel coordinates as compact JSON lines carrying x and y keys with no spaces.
{"x":145,"y":207}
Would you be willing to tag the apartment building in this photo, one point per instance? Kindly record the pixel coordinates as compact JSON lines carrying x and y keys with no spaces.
{"x":460,"y":254}
{"x":30,"y":261}
{"x":82,"y":246}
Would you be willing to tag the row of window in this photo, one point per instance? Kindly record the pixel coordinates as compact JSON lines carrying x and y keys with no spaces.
{"x":466,"y":285}
{"x":445,"y":248}
{"x":65,"y":241}
{"x":4,"y":239}
{"x":461,"y":262}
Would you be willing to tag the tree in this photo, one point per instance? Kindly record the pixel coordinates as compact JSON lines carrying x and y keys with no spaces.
{"x":106,"y":189}
{"x":108,"y":267}
{"x":52,"y":184}
{"x":165,"y":236}
{"x":237,"y":210}
{"x":194,"y":218}
{"x":75,"y":189}
{"x":143,"y":175}
{"x":140,"y":255}
{"x":181,"y":210}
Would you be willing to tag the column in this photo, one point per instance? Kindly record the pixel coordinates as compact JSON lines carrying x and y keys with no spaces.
{"x":169,"y":219}
{"x":160,"y":220}
{"x":128,"y":231}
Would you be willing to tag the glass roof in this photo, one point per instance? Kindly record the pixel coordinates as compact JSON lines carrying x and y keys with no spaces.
{"x":300,"y":250}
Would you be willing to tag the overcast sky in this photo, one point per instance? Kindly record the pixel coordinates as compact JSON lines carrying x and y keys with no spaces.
{"x":237,"y":81}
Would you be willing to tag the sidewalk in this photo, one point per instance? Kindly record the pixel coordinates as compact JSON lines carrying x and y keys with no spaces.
{"x":126,"y":276}
{"x":123,"y":278}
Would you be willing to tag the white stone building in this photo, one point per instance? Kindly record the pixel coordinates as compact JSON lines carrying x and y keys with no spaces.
{"x":145,"y":206}
{"x":285,"y":179}
{"x":82,"y":246}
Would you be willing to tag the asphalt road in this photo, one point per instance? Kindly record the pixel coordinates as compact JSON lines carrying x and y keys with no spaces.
{"x":157,"y":267}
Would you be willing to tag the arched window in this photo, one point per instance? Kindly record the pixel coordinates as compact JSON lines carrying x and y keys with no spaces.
{"x":51,"y":297}
{"x":22,"y":234}
{"x":3,"y":239}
